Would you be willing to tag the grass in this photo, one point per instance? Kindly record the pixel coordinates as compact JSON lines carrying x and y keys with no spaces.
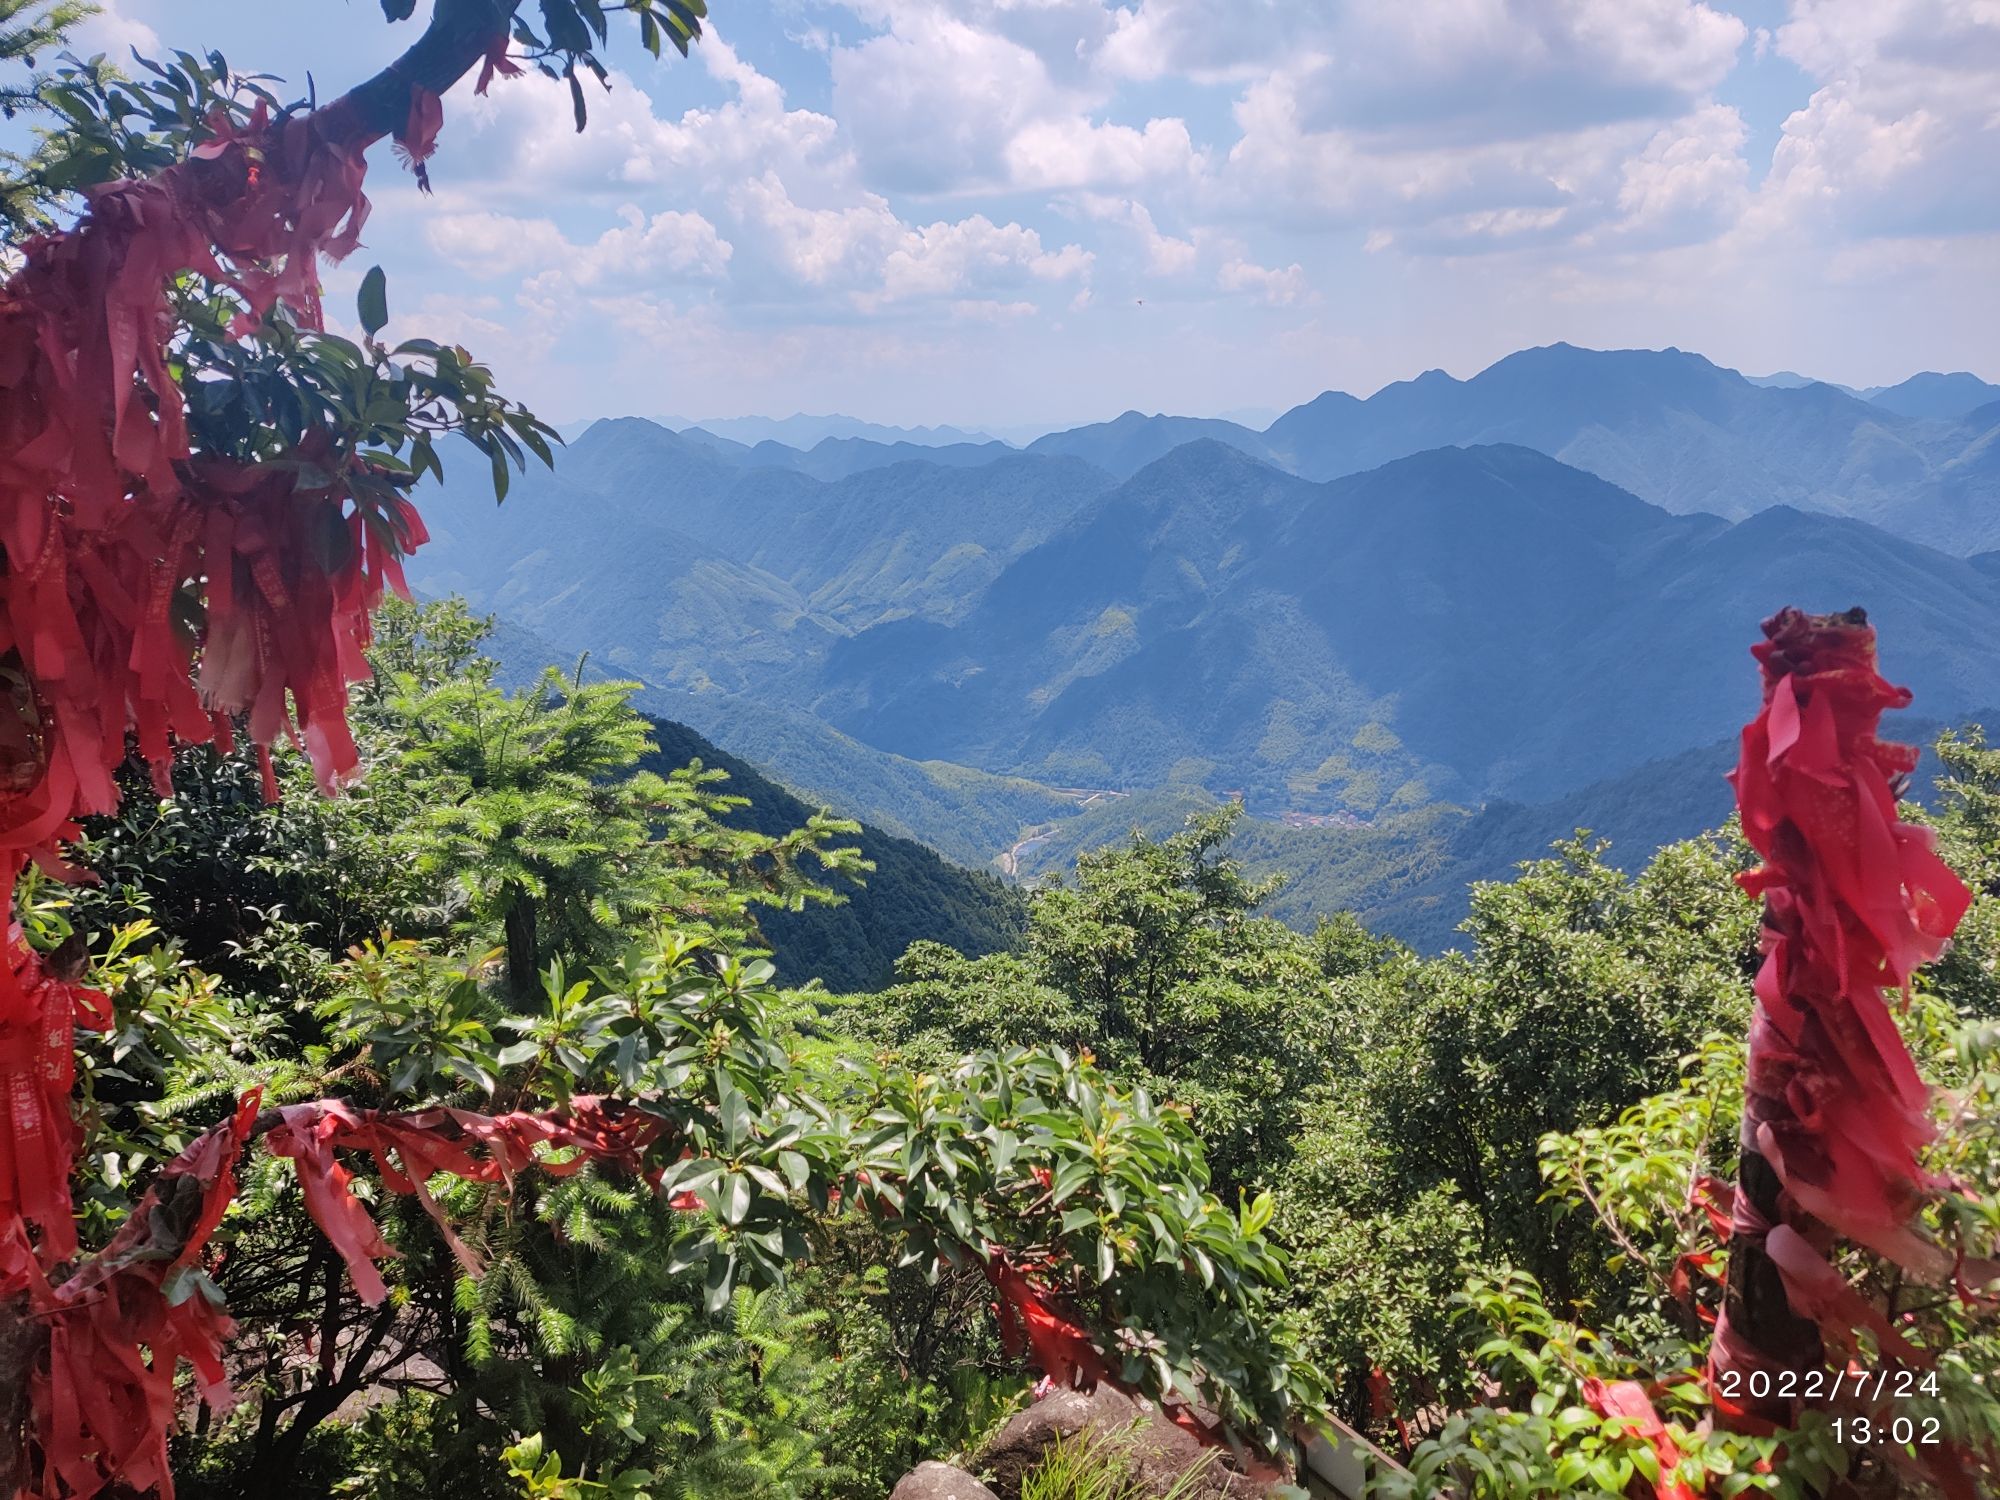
{"x":1093,"y":1465}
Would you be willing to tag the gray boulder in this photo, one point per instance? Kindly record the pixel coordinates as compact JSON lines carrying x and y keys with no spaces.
{"x":931,"y":1481}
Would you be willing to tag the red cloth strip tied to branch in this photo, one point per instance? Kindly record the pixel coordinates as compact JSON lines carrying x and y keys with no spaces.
{"x":408,"y":1149}
{"x":1033,"y":1324}
{"x":1855,"y":900}
{"x":103,"y":1397}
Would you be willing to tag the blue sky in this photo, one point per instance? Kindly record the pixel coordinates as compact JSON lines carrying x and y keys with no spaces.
{"x":1020,"y":212}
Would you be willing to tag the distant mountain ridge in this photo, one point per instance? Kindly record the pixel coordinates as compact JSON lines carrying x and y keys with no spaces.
{"x":804,"y":431}
{"x":1460,"y":624}
{"x":1455,"y":625}
{"x":1929,"y":393}
{"x":1921,"y":458}
{"x":1678,"y":431}
{"x":1673,"y":428}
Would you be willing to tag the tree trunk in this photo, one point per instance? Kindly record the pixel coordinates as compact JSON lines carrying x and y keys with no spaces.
{"x":20,"y":1344}
{"x":524,"y":958}
{"x":1759,"y":1335}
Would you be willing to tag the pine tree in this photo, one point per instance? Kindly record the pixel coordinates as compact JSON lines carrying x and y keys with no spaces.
{"x":29,"y":31}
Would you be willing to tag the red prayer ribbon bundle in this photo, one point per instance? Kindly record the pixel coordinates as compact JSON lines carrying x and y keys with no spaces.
{"x":1033,"y":1324}
{"x":1855,"y":901}
{"x":1630,"y":1401}
{"x":102,"y":1407}
{"x":115,"y":538}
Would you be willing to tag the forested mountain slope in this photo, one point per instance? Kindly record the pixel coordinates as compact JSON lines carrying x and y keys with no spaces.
{"x":1410,"y":874}
{"x":1457,"y":626}
{"x":1464,"y":624}
{"x":913,"y":895}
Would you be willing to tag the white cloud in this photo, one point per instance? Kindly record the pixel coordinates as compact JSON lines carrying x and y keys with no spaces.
{"x":1691,"y":180}
{"x":1459,"y":70}
{"x":944,"y":258}
{"x":939,"y":104}
{"x":864,"y":249}
{"x":932,"y":105}
{"x":114,"y":34}
{"x":669,"y":245}
{"x":800,"y":226}
{"x":818,"y":246}
{"x":1189,"y":38}
{"x":1902,"y":131}
{"x":1165,"y":255}
{"x":518,"y":141}
{"x":990,"y":310}
{"x":1074,"y":152}
{"x":1277,"y":288}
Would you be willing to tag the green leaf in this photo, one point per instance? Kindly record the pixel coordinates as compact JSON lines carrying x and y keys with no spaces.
{"x":1072,"y":1176}
{"x":717,"y":1285}
{"x":1257,"y":1213}
{"x":373,"y":303}
{"x":567,"y":30}
{"x":733,"y":1203}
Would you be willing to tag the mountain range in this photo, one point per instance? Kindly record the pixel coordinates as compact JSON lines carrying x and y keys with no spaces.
{"x":1668,"y":426}
{"x":1927,"y":394}
{"x":802,"y":430}
{"x":1451,"y":594}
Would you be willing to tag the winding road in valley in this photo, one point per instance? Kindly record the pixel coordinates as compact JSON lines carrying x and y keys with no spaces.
{"x":1040,"y":833}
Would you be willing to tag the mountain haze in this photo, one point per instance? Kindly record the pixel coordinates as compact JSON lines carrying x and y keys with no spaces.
{"x":1667,"y":425}
{"x":1464,"y":623}
{"x":805,"y":431}
{"x":1372,"y":615}
{"x":1947,"y":397}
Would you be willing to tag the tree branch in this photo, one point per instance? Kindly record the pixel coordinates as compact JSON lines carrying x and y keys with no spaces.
{"x":458,"y":36}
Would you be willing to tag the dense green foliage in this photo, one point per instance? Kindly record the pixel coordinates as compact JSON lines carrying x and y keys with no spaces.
{"x":1458,"y":1184}
{"x":642,"y":1338}
{"x":1482,"y":1175}
{"x":910,"y":895}
{"x":1155,"y":961}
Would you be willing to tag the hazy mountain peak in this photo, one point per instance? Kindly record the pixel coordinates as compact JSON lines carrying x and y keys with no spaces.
{"x":805,"y":430}
{"x":1204,"y":456}
{"x":606,"y":427}
{"x":1936,"y":395}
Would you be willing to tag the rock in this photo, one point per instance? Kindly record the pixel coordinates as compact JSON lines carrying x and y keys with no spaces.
{"x":930,"y":1481}
{"x":1160,"y":1452}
